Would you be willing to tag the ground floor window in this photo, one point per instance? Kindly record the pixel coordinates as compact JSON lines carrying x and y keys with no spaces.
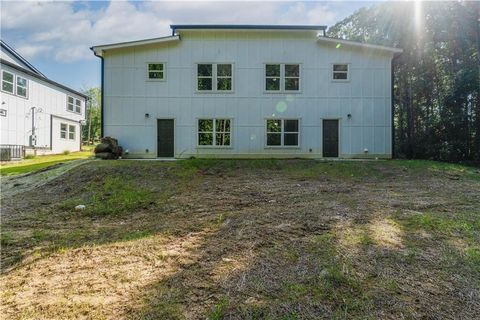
{"x":214,"y":132}
{"x":67,"y":130}
{"x":282,"y":132}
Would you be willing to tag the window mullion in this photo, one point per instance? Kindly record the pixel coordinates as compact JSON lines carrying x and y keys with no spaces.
{"x":282,"y":78}
{"x":214,"y":131}
{"x":214,"y":80}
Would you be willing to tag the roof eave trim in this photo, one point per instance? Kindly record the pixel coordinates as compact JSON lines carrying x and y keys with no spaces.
{"x":360,"y":44}
{"x":176,"y":27}
{"x":98,"y":50}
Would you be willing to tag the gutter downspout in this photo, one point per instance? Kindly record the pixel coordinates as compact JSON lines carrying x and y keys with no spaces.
{"x":102,"y":99}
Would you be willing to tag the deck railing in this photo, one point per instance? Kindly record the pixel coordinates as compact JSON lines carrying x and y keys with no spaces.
{"x":11,"y":151}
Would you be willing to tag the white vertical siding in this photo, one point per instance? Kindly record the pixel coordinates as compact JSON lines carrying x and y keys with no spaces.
{"x":128,"y":96}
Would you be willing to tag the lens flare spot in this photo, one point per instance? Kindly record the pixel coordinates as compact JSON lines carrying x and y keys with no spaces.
{"x":253,"y":136}
{"x":338,"y":45}
{"x":281,"y":106}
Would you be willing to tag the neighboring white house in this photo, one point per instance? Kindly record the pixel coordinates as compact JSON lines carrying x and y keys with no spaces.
{"x":36,"y":112}
{"x":248,"y":91}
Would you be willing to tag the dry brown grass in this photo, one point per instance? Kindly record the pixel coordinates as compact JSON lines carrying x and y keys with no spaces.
{"x":245,"y":240}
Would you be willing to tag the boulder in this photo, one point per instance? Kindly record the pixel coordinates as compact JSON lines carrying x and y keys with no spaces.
{"x":108,"y":148}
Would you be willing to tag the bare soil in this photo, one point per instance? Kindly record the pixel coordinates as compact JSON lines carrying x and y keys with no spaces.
{"x":288,"y":239}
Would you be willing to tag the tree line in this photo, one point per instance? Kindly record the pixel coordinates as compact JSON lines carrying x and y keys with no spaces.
{"x":436,"y":78}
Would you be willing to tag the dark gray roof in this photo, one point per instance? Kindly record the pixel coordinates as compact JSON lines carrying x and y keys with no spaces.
{"x":20,"y":58}
{"x":245,"y":27}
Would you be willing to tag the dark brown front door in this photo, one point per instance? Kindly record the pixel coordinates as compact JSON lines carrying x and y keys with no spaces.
{"x":330,"y":138}
{"x":165,"y":138}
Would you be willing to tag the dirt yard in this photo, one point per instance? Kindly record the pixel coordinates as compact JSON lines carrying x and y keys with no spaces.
{"x":259,"y":239}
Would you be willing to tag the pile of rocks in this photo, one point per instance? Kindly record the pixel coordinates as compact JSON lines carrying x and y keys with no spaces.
{"x":108,"y":149}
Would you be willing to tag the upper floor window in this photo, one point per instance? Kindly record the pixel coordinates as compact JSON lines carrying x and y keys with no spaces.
{"x":214,"y":77}
{"x":74,"y":105}
{"x":340,"y":72}
{"x":7,"y":81}
{"x":282,"y":132}
{"x":156,"y":71}
{"x":22,"y":87}
{"x":214,"y":132}
{"x":282,"y":77}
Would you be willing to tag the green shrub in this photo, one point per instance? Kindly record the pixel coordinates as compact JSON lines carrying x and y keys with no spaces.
{"x":30,"y":156}
{"x":66,"y":152}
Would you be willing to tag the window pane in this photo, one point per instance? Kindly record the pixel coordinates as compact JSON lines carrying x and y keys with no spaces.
{"x":71,"y":128}
{"x":155,"y":75}
{"x":204,"y":70}
{"x":291,"y":126}
{"x":222,"y":139}
{"x":78,"y":102}
{"x":340,"y":67}
{"x":205,"y":125}
{"x":63,"y":127}
{"x":224,"y":70}
{"x":71,"y":135}
{"x":274,"y":139}
{"x":63,"y":135}
{"x":292,"y":84}
{"x":70,"y":100}
{"x":272,"y":84}
{"x":78,"y":109}
{"x":205,"y":84}
{"x":155,"y":66}
{"x":274,"y":125}
{"x":70,"y":107}
{"x":21,"y":82}
{"x":272,"y":70}
{"x":222,"y":125}
{"x":292,"y":70}
{"x":7,"y":87}
{"x":7,"y":76}
{"x":340,"y":75}
{"x":21,"y":91}
{"x":205,"y":139}
{"x":290,"y":139}
{"x":224,"y":84}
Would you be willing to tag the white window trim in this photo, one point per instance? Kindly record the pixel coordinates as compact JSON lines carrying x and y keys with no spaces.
{"x":74,"y":105}
{"x":214,"y":78}
{"x":214,"y":146}
{"x":164,"y":72}
{"x":282,"y":132}
{"x":348,"y":72}
{"x":282,"y":78}
{"x":13,"y":83}
{"x":74,"y":132}
{"x":66,"y":131}
{"x":26,"y":87}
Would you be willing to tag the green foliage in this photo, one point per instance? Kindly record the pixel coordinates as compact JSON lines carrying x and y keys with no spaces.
{"x":114,"y":197}
{"x":91,"y":130}
{"x":219,"y":310}
{"x":29,"y":156}
{"x":66,"y":152}
{"x":436,"y":79}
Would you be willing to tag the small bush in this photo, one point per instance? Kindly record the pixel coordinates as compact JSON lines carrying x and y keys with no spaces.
{"x":66,"y":152}
{"x":30,"y":156}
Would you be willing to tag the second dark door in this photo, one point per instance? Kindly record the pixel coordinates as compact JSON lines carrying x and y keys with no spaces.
{"x":330,"y":138}
{"x":165,"y":138}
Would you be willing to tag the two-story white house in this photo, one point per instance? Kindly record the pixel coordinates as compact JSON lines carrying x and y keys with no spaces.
{"x":36,"y":113}
{"x":248,"y":91}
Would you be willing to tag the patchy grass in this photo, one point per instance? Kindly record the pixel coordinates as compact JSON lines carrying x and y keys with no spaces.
{"x":33,"y":164}
{"x":245,"y":239}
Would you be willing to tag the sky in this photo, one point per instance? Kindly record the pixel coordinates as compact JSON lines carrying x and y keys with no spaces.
{"x":56,"y":36}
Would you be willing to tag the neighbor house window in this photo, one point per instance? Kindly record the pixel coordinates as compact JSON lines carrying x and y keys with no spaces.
{"x":214,"y":132}
{"x":214,"y":77}
{"x":74,"y":105}
{"x":71,"y":132}
{"x":156,"y":71}
{"x":282,"y":77}
{"x":340,"y":72}
{"x":63,"y":130}
{"x":7,"y":81}
{"x":22,"y":87}
{"x":282,"y":132}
